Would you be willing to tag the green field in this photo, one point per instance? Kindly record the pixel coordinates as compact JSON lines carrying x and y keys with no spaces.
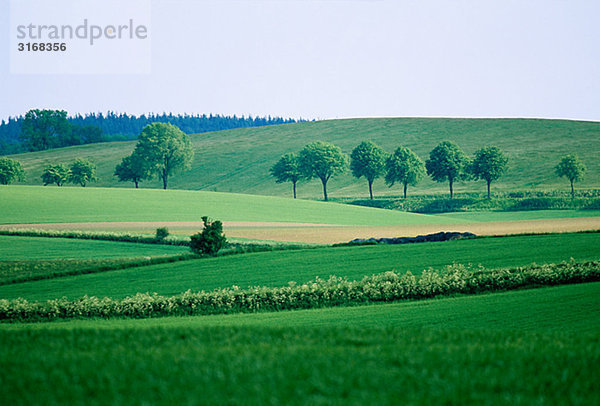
{"x":279,"y":267}
{"x":526,"y":347}
{"x":38,"y":204}
{"x":13,"y":248}
{"x":239,"y":160}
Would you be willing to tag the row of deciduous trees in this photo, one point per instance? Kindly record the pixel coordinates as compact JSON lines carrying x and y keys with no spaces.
{"x":446,"y":163}
{"x":81,"y":172}
{"x":163,"y":149}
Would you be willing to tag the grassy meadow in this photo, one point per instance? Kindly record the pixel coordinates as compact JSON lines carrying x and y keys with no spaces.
{"x":38,"y":204}
{"x":525,"y":347}
{"x":280,"y":267}
{"x":239,"y":160}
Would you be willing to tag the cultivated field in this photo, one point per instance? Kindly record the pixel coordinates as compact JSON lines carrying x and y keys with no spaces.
{"x":280,"y":267}
{"x":525,"y":347}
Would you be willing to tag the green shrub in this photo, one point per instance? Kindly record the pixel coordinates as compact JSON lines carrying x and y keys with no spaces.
{"x":210,"y":240}
{"x":161,"y":233}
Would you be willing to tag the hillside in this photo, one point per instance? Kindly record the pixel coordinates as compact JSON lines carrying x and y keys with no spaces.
{"x":239,"y":160}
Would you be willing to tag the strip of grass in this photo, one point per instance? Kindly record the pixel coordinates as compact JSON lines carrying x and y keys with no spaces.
{"x":27,"y":271}
{"x":527,"y":347}
{"x":279,"y":267}
{"x":39,"y":204}
{"x":14,"y":248}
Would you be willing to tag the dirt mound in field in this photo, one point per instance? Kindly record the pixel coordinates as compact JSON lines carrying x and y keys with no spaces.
{"x":435,"y":237}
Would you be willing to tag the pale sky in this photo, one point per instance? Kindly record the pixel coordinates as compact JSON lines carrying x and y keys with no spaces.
{"x":337,"y":58}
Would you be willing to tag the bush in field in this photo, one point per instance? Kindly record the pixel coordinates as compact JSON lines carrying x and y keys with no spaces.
{"x":10,"y":170}
{"x":161,"y":233}
{"x":210,"y":240}
{"x":57,"y":174}
{"x":82,"y":172}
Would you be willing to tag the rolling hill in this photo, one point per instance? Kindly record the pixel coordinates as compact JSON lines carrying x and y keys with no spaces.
{"x":239,"y":160}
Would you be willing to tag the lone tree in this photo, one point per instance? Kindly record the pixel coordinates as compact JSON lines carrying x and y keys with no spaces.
{"x":210,"y":240}
{"x":322,"y":160}
{"x":368,"y":160}
{"x":57,"y":174}
{"x":571,"y":168}
{"x":404,"y":166}
{"x":447,"y":162}
{"x":489,"y":164}
{"x":132,"y":168}
{"x":287,"y":169}
{"x":82,"y":172}
{"x":45,"y":129}
{"x":10,"y":170}
{"x":166,"y":149}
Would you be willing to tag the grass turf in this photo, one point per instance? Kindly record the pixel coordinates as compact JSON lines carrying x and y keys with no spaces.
{"x":279,"y":267}
{"x":526,"y":347}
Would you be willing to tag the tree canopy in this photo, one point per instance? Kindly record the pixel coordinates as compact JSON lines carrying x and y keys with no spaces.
{"x":489,"y":164}
{"x":57,"y":174}
{"x":132,"y":168}
{"x":10,"y":170}
{"x":45,"y":129}
{"x":322,"y":160}
{"x":447,"y":162}
{"x":571,"y":168}
{"x":82,"y":172}
{"x":404,"y":166}
{"x":368,"y":160}
{"x":287,"y":169}
{"x":166,"y":149}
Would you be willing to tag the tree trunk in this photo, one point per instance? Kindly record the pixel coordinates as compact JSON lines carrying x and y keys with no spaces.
{"x":489,"y":194}
{"x":164,"y":179}
{"x":294,"y":183}
{"x":324,"y":189}
{"x":371,"y":189}
{"x":136,"y":183}
{"x":572,"y":191}
{"x":451,"y":191}
{"x":405,"y":187}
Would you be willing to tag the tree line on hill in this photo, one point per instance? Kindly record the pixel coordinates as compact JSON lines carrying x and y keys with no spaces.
{"x":447,"y":163}
{"x":163,"y":150}
{"x":45,"y":129}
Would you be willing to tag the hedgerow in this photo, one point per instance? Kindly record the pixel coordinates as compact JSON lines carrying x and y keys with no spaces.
{"x":103,"y":236}
{"x":335,"y":291}
{"x":513,"y":201}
